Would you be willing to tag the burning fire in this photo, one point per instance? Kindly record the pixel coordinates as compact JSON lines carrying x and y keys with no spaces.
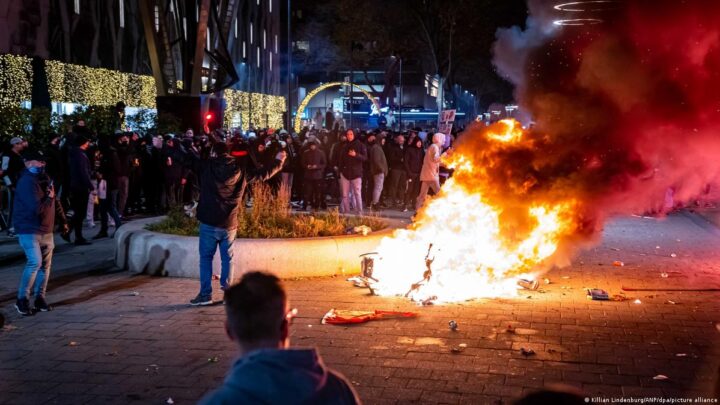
{"x":474,"y":243}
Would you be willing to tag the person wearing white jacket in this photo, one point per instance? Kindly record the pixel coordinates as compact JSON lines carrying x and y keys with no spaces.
{"x":430,"y":173}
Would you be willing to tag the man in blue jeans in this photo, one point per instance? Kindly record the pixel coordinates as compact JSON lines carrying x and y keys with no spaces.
{"x":223,"y":179}
{"x":34,"y":216}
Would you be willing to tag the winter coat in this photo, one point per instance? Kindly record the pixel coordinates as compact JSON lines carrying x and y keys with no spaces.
{"x":275,"y":376}
{"x":378,"y":163}
{"x":173,"y":165}
{"x":13,"y":166}
{"x":80,"y":170}
{"x":222,"y":183}
{"x":35,"y":211}
{"x":431,"y":164}
{"x":125,"y":157}
{"x":110,"y":168}
{"x":315,"y":158}
{"x":395,"y":156}
{"x":413,"y":160}
{"x":351,"y":167}
{"x":55,"y":166}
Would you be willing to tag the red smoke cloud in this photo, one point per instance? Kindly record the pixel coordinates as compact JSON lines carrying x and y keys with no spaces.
{"x":624,"y":110}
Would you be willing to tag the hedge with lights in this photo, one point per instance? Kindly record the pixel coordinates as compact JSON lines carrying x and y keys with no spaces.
{"x":260,"y":110}
{"x":15,"y":80}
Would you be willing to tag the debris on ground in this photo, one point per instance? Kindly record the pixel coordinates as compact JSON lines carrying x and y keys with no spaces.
{"x":637,"y":301}
{"x":459,"y":348}
{"x":673,"y":255}
{"x":112,"y":354}
{"x":671,"y":302}
{"x":170,"y":401}
{"x":453,"y":325}
{"x":661,"y":377}
{"x":213,"y":359}
{"x":528,"y":284}
{"x":565,"y":277}
{"x":510,"y":329}
{"x":342,"y":316}
{"x":134,"y":294}
{"x":429,"y":301}
{"x":547,"y":281}
{"x":664,"y":275}
{"x":681,"y":355}
{"x":73,"y":344}
{"x":360,"y":230}
{"x":618,"y":297}
{"x":717,"y":326}
{"x":618,"y":263}
{"x":615,"y":249}
{"x":527,"y":352}
{"x":597,"y":294}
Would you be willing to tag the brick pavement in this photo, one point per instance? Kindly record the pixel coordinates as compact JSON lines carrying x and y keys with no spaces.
{"x":104,"y":344}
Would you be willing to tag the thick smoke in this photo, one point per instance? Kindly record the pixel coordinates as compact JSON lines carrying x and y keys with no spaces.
{"x":624,"y":111}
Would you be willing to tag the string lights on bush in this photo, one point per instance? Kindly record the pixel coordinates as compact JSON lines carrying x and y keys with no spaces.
{"x":15,"y":80}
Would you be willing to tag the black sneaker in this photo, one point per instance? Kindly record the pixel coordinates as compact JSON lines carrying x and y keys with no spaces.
{"x":201,"y":300}
{"x":23,"y":306}
{"x":42,"y":305}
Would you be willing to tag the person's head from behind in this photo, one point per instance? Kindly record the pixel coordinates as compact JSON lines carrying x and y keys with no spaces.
{"x":256,"y":310}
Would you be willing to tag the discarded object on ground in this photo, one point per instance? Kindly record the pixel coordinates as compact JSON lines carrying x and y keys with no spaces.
{"x":528,"y":284}
{"x":547,"y":281}
{"x":637,"y":301}
{"x":169,"y":401}
{"x":426,"y":277}
{"x":670,"y":289}
{"x":671,"y":302}
{"x":673,"y":255}
{"x":134,"y":294}
{"x":453,"y":325}
{"x":459,"y":348}
{"x":342,"y":316}
{"x":661,"y":377}
{"x":429,"y":301}
{"x":618,"y":297}
{"x":681,"y":355}
{"x":618,"y":263}
{"x":73,"y":344}
{"x":360,"y":230}
{"x":664,"y":275}
{"x":510,"y":329}
{"x":597,"y":294}
{"x":527,"y":352}
{"x":213,"y":359}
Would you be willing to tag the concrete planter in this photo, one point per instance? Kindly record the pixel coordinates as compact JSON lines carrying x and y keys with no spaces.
{"x":142,"y":251}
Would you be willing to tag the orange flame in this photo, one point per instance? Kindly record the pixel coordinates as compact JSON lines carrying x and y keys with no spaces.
{"x":477,"y":250}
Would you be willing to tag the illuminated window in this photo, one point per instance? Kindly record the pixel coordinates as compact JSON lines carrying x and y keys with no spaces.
{"x":276,"y":44}
{"x":157,"y":19}
{"x":77,"y":6}
{"x":121,"y":12}
{"x":264,"y":39}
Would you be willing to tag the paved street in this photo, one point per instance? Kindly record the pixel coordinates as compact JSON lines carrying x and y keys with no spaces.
{"x":119,"y":338}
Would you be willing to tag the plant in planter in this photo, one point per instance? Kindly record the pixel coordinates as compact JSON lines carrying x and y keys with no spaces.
{"x":271,"y":217}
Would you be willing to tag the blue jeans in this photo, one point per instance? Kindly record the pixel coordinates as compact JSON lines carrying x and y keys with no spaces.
{"x":38,"y":250}
{"x":210,"y":238}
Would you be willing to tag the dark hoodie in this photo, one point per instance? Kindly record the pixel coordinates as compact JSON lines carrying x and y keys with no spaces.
{"x":273,"y":376}
{"x":222,"y":183}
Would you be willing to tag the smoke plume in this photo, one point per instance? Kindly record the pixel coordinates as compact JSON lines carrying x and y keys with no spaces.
{"x":626,"y":107}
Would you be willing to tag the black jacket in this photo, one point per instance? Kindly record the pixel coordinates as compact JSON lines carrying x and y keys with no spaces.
{"x":413,"y":160}
{"x":222,"y":184}
{"x":125,"y":158}
{"x":395,"y":156}
{"x":110,"y":167}
{"x":351,"y":167}
{"x":80,"y":170}
{"x":315,"y":158}
{"x":15,"y":166}
{"x":55,"y":166}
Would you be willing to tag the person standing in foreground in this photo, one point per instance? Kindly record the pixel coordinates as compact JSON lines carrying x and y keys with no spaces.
{"x":268,"y":372}
{"x":223,"y":179}
{"x":430,"y":173}
{"x":350,"y":162}
{"x":80,"y":185}
{"x":35,"y":212}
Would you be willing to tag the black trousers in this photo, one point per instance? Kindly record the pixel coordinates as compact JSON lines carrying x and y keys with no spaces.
{"x":413,"y":190}
{"x":79,"y":203}
{"x":314,"y":193}
{"x":396,"y":184}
